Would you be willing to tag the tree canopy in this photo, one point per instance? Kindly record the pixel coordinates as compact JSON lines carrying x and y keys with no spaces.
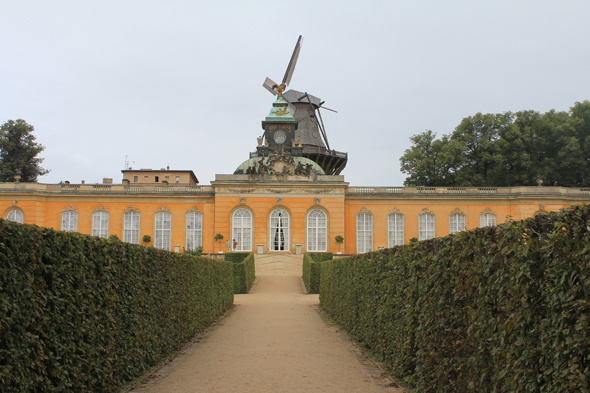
{"x":18,"y":150}
{"x":503,"y":150}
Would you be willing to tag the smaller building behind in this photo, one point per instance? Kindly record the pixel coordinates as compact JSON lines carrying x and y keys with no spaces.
{"x":159,"y":176}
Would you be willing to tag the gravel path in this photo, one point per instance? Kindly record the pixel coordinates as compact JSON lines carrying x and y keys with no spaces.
{"x":273,"y":341}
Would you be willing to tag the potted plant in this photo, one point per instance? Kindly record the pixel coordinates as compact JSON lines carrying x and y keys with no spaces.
{"x":339,"y":239}
{"x":218,"y":236}
{"x":146,"y":239}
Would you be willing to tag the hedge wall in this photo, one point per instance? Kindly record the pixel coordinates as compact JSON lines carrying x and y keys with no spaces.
{"x":79,"y":313}
{"x":243,"y":270}
{"x":503,"y":309}
{"x":311,"y":269}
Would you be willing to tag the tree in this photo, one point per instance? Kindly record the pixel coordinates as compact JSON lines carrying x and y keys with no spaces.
{"x":18,"y":150}
{"x":430,"y":161}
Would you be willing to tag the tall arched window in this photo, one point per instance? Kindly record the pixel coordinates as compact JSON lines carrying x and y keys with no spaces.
{"x":131,"y":225}
{"x":163,"y":230}
{"x":194,"y":231}
{"x":487,"y":220}
{"x":364,"y":233}
{"x":242,"y":229}
{"x":317,"y":231}
{"x":279,"y":230}
{"x":100,"y":224}
{"x":69,"y":221}
{"x":395,"y":230}
{"x":456,"y":223}
{"x":16,"y":216}
{"x":425,"y":226}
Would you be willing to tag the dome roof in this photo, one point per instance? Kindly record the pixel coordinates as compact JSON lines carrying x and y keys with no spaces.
{"x":241,"y":170}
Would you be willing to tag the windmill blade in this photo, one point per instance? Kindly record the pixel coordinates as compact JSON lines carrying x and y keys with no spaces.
{"x":332,"y":110}
{"x":294,"y":57}
{"x":268,"y":84}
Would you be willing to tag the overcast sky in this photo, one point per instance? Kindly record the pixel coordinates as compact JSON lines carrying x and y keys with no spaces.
{"x":179,"y":82}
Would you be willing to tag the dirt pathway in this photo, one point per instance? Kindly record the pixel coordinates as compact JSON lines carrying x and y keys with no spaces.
{"x":273,"y":341}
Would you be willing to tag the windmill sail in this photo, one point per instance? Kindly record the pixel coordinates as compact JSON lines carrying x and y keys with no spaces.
{"x":293,"y":62}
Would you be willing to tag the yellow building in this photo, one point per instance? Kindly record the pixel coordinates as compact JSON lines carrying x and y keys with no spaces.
{"x":288,"y":196}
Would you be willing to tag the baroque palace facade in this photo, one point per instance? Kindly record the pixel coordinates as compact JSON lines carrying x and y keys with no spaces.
{"x":288,"y":196}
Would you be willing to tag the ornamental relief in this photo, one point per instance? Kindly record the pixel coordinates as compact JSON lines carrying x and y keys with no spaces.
{"x":241,"y":190}
{"x":318,"y":191}
{"x":426,"y":211}
{"x":101,"y":208}
{"x":488,"y":211}
{"x":458,"y":211}
{"x":163,"y":209}
{"x":280,"y":191}
{"x":131,"y":209}
{"x":395,"y":211}
{"x":70,"y":208}
{"x":364,"y":210}
{"x":194,"y":209}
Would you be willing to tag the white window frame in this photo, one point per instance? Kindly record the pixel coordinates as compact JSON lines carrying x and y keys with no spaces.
{"x":395,"y":230}
{"x":194,"y":231}
{"x":426,"y":226}
{"x":456,"y":223}
{"x":317,"y":231}
{"x":16,"y":215}
{"x":279,"y":225}
{"x":69,"y":221}
{"x":487,"y":220}
{"x":364,"y":233}
{"x":100,"y":224}
{"x":131,"y":227}
{"x":242,"y":229}
{"x":163,"y":230}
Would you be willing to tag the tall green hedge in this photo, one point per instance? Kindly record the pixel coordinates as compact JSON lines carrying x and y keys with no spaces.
{"x":503,"y":309}
{"x":311,"y":269}
{"x":83,"y":314}
{"x":243,"y":270}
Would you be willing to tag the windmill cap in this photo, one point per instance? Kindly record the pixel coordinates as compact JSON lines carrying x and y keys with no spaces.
{"x":294,"y":97}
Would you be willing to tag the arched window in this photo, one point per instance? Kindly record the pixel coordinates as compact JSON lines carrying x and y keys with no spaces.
{"x":317,"y":231}
{"x":279,"y":230}
{"x":242,"y":229}
{"x":194,"y":231}
{"x":487,"y":220}
{"x":456,"y":223}
{"x":425,"y":226}
{"x":131,"y":222}
{"x":395,"y":230}
{"x":16,"y":216}
{"x":100,"y":224}
{"x":364,"y":233}
{"x":69,"y":221}
{"x":163,"y":231}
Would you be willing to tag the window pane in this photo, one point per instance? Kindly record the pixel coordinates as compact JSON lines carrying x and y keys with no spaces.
{"x":194,"y":233}
{"x":364,"y":233}
{"x":163,"y":234}
{"x":131,"y":225}
{"x":242,"y":229}
{"x":100,"y":224}
{"x":395,"y":230}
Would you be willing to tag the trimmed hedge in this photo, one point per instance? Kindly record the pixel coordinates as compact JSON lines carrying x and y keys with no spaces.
{"x":243,"y":270}
{"x":503,"y":309}
{"x":311,"y":269}
{"x":79,"y":313}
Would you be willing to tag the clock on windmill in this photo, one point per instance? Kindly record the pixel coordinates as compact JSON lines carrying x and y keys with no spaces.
{"x":280,"y":125}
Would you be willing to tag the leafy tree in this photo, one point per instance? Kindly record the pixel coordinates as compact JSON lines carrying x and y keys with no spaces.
{"x":18,"y":150}
{"x":430,"y":161}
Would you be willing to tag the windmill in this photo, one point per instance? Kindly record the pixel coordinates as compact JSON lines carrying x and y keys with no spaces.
{"x":306,"y":110}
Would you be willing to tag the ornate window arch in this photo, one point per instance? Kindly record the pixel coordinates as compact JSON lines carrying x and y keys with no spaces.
{"x":279,"y":229}
{"x":456,"y":221}
{"x":426,"y":224}
{"x":163,"y":228}
{"x":317,"y":231}
{"x":242,"y":220}
{"x":100,"y":222}
{"x":395,"y":228}
{"x":131,"y":225}
{"x":364,"y":231}
{"x":487,"y":218}
{"x":15,"y":215}
{"x":69,"y":219}
{"x":194,"y":229}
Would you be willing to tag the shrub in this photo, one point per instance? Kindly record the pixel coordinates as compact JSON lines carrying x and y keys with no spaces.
{"x":243,"y":270}
{"x":80,"y":313}
{"x":311,"y":269}
{"x":503,"y":309}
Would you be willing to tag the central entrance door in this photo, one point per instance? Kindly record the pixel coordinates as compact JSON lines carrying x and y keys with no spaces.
{"x":279,"y":230}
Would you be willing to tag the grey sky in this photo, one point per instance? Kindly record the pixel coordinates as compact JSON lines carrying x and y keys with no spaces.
{"x":179,"y":82}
